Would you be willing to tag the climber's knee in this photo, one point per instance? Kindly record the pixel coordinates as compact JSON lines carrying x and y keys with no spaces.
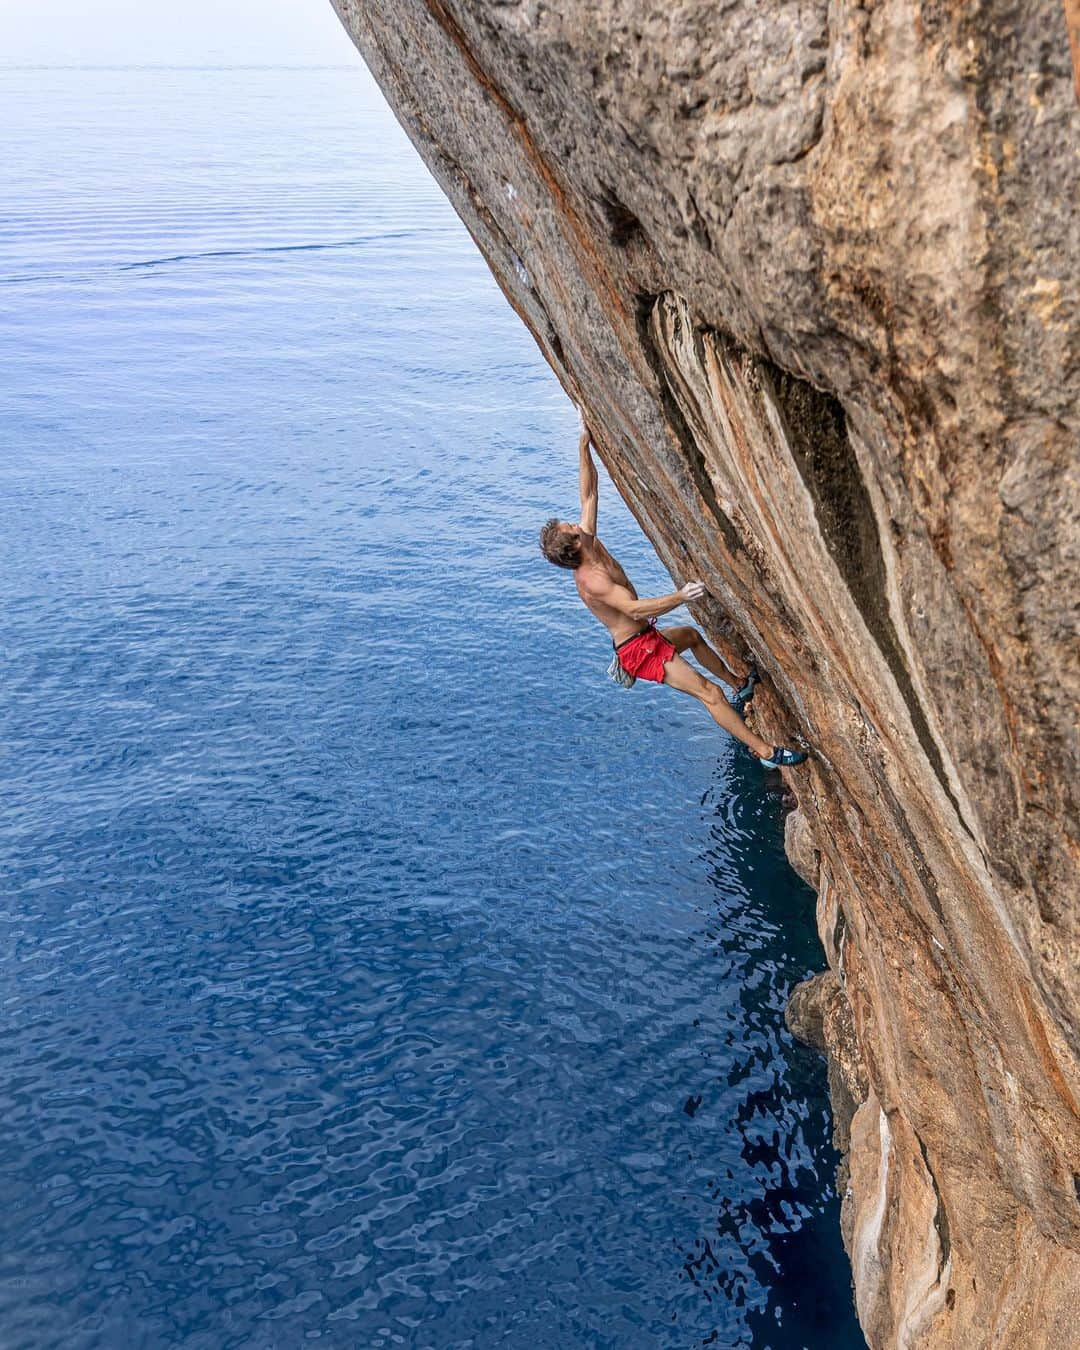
{"x":682,"y":637}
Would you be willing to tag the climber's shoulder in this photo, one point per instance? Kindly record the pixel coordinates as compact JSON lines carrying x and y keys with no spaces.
{"x":592,"y":577}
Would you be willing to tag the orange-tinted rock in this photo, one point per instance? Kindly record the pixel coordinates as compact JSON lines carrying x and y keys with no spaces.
{"x":812,"y":271}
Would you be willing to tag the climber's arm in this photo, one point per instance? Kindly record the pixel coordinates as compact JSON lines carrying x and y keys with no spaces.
{"x":588,"y":482}
{"x":609,"y":592}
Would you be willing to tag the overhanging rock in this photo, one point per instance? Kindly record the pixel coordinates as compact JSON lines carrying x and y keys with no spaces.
{"x":812,"y":270}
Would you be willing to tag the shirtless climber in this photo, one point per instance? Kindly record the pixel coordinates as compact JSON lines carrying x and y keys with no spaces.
{"x":642,"y":649}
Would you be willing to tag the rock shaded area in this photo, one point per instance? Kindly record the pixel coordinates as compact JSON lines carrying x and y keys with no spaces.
{"x":812,"y":270}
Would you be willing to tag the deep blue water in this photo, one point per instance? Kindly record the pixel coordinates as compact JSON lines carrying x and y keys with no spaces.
{"x":361,"y":946}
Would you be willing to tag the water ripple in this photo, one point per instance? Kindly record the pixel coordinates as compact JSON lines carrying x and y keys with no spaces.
{"x":370,"y":971}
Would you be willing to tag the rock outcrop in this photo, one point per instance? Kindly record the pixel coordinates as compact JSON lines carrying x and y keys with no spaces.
{"x":811,"y":268}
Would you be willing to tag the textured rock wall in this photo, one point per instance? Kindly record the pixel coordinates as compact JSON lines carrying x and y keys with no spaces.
{"x":812,"y":269}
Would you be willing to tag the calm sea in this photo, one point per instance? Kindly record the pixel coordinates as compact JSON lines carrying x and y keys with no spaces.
{"x":372,"y":970}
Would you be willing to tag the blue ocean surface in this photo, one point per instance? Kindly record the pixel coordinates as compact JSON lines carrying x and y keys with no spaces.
{"x":373,"y":971}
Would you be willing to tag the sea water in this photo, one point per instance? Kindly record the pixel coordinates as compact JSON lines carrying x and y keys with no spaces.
{"x":373,"y":970}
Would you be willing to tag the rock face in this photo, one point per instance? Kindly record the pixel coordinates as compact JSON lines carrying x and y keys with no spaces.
{"x":811,"y":268}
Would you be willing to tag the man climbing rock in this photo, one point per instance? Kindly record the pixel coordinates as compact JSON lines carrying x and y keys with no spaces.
{"x":642,"y":650}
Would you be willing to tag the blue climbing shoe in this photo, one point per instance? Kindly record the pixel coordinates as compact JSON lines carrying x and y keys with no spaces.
{"x":783,"y":758}
{"x":746,"y":693}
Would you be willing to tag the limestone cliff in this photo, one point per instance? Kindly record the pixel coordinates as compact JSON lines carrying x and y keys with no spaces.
{"x":811,"y":267}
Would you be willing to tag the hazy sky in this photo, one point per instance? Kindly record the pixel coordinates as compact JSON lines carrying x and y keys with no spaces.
{"x":172,"y":32}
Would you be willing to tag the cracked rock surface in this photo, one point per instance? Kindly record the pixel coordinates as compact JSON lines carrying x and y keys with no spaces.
{"x":812,"y":269}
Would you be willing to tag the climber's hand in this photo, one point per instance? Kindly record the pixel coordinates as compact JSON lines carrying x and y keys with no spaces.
{"x":693,"y":590}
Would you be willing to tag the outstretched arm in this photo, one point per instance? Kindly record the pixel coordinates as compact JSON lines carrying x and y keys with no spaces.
{"x":587,"y":481}
{"x":618,"y":597}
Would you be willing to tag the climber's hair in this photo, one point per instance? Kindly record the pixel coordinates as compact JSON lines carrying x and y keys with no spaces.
{"x":557,"y":547}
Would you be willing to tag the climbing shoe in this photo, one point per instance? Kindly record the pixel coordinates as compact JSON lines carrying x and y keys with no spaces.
{"x":783,"y":758}
{"x":746,"y":693}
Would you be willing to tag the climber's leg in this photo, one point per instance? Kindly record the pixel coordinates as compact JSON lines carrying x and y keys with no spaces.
{"x":685,"y":638}
{"x":684,"y":678}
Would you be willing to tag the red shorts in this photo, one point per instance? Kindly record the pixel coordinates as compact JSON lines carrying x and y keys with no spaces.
{"x":644,"y":656}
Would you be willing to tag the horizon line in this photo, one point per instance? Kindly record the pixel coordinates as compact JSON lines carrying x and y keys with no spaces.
{"x":159,"y":65}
